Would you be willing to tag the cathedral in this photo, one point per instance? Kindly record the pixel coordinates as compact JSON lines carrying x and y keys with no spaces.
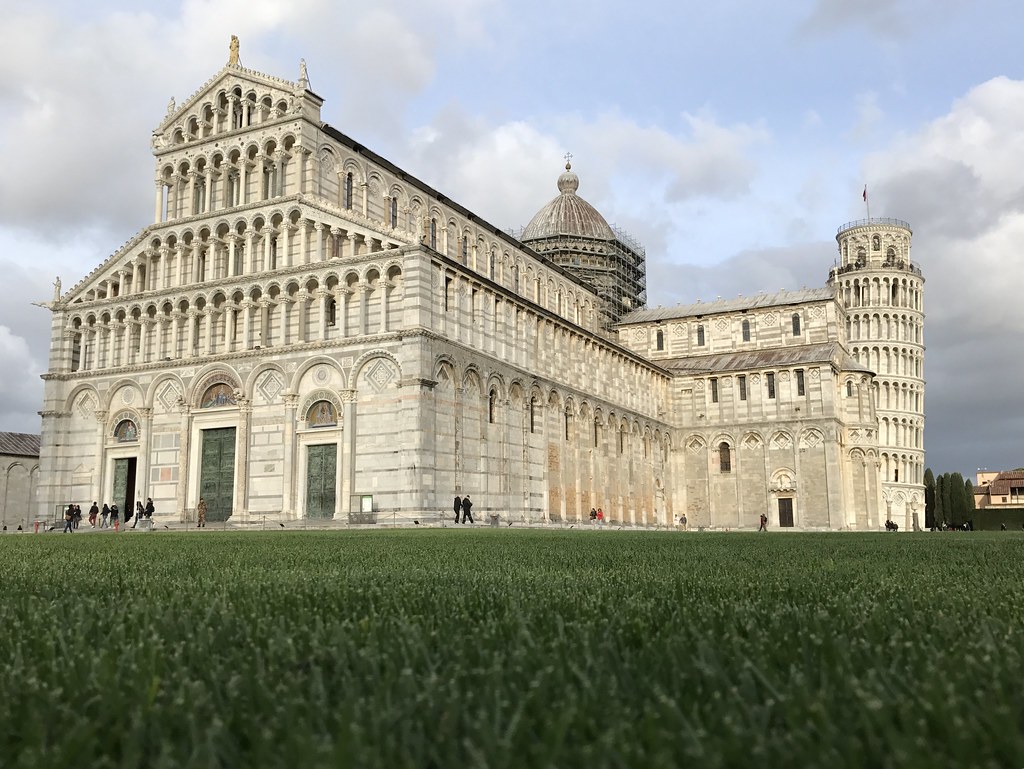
{"x":306,"y":331}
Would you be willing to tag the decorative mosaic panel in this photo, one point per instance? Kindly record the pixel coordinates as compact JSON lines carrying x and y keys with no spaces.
{"x":168,"y":396}
{"x":380,"y":374}
{"x":270,"y":386}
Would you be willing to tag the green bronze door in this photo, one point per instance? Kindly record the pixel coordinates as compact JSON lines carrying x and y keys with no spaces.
{"x":217,"y":472}
{"x":321,"y":475}
{"x":124,"y":485}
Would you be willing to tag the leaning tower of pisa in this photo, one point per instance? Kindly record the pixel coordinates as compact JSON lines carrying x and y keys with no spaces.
{"x":882,"y":292}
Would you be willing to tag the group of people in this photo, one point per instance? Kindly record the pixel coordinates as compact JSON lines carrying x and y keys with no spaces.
{"x":107,"y":517}
{"x":597,"y":516}
{"x":464,"y":506}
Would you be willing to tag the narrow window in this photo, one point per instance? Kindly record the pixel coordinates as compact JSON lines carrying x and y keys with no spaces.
{"x":595,"y":432}
{"x":491,"y":267}
{"x":742,"y":379}
{"x":714,"y":390}
{"x":799,"y":381}
{"x":659,"y":340}
{"x":332,"y":312}
{"x":622,"y":441}
{"x":447,"y":291}
{"x":876,"y":243}
{"x":433,"y":234}
{"x":568,"y":419}
{"x":724,"y":457}
{"x":348,"y":191}
{"x":896,"y":475}
{"x":700,"y":336}
{"x":490,"y":407}
{"x":746,"y":330}
{"x":770,"y":379}
{"x":465,"y":250}
{"x":533,"y":415}
{"x":394,"y":213}
{"x":796,"y":324}
{"x":849,"y":389}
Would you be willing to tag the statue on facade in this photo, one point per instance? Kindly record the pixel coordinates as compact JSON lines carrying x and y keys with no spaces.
{"x":56,"y":289}
{"x":170,"y":106}
{"x":233,"y":50}
{"x":303,"y":74}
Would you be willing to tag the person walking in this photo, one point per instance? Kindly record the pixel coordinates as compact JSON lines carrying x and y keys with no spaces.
{"x":94,"y":513}
{"x":77,"y":517}
{"x":467,"y":510}
{"x":115,"y":517}
{"x":458,"y":507}
{"x":150,"y":508}
{"x":682,"y":521}
{"x":764,"y":523}
{"x":600,"y":517}
{"x":201,"y":514}
{"x":105,"y":515}
{"x":593,"y":516}
{"x":69,"y":520}
{"x":139,"y":512}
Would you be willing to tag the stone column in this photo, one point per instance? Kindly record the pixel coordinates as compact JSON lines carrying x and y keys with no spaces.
{"x":250,"y":254}
{"x":363,"y":309}
{"x":208,"y":191}
{"x":158,"y":203}
{"x":191,"y":318}
{"x":243,"y":164}
{"x":302,"y":297}
{"x":348,"y":452}
{"x":241,"y":506}
{"x":232,"y":242}
{"x":385,"y":287}
{"x":268,"y":236}
{"x":206,"y":326}
{"x":322,"y":295}
{"x":264,"y":333}
{"x":303,"y":242}
{"x":229,"y":324}
{"x":342,"y":297}
{"x":366,"y":199}
{"x":283,"y":251}
{"x":191,"y":205}
{"x":100,"y":470}
{"x":290,"y":465}
{"x":126,"y":339}
{"x":142,"y":479}
{"x":246,"y":324}
{"x":319,"y":227}
{"x":184,"y":449}
{"x":335,"y":242}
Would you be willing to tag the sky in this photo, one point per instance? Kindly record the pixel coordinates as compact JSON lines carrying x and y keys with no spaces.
{"x":731,"y":138}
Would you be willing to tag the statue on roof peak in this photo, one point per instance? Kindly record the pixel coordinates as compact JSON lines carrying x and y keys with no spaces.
{"x":233,"y":51}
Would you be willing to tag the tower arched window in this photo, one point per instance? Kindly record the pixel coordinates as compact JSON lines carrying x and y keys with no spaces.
{"x":862,"y":257}
{"x":876,"y":243}
{"x":890,"y":254}
{"x":700,"y":336}
{"x":533,"y":415}
{"x":796,"y":324}
{"x":724,"y":457}
{"x":465,"y":250}
{"x":433,"y":234}
{"x":849,"y":389}
{"x":348,"y":191}
{"x":491,"y":402}
{"x":746,"y":330}
{"x":394,"y":212}
{"x":659,"y":340}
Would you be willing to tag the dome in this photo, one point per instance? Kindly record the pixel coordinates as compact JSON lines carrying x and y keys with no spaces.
{"x":568,"y":214}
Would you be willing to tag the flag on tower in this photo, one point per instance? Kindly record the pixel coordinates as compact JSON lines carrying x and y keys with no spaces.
{"x":865,"y":193}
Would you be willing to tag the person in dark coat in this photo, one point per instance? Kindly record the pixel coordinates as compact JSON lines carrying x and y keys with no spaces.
{"x":458,"y":507}
{"x":115,"y":515}
{"x":106,"y":516}
{"x":150,"y":508}
{"x":94,"y":513}
{"x":467,"y":510}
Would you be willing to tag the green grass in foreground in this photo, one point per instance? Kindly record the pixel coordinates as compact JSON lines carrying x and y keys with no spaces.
{"x":511,"y":649}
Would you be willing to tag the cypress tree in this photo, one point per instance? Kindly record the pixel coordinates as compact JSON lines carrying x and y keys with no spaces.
{"x":956,"y":498}
{"x":929,"y":499}
{"x":941,"y":516}
{"x":969,"y":489}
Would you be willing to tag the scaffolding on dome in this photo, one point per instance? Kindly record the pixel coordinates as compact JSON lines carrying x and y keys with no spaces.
{"x":616,"y":270}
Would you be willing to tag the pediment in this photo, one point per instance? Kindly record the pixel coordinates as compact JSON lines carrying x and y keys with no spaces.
{"x":276,"y":96}
{"x":92,"y":286}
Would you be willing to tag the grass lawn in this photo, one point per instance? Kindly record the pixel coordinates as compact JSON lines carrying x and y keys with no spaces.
{"x":505,"y":648}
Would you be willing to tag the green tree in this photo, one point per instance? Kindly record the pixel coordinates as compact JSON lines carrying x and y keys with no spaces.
{"x":941,"y":514}
{"x":929,"y":499}
{"x":958,"y":504}
{"x":969,"y":490}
